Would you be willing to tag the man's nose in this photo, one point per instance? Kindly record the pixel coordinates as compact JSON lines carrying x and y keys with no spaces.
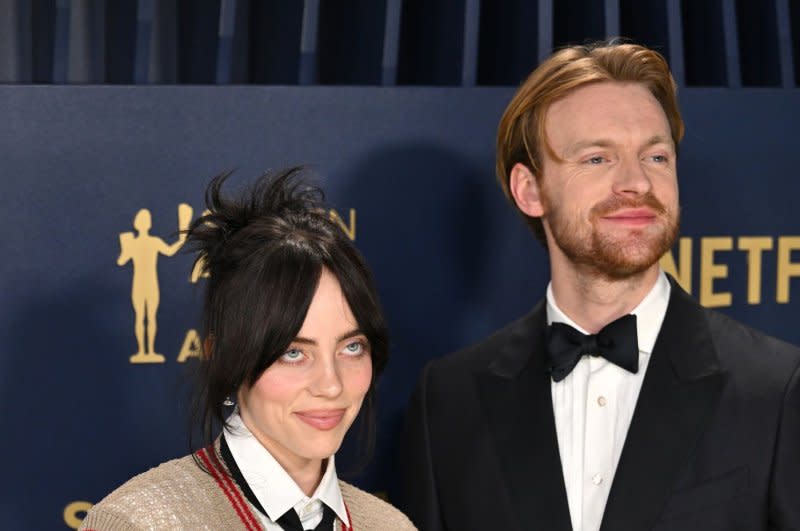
{"x":631,"y":177}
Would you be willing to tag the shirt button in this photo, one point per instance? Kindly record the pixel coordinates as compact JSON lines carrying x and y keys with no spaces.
{"x":597,"y":479}
{"x":601,"y":401}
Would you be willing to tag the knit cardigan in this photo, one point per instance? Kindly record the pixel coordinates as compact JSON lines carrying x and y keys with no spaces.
{"x":178,"y":494}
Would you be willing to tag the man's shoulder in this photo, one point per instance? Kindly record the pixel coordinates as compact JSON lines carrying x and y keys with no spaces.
{"x":756,"y":360}
{"x":741,"y":347}
{"x":479,"y":355}
{"x":730,"y":332}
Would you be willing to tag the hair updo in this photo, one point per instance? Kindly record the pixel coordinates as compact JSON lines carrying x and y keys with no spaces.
{"x":264,"y":252}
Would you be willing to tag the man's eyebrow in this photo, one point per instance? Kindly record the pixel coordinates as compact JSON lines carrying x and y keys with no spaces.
{"x":583,"y":144}
{"x":605,"y":143}
{"x":309,"y":341}
{"x":658,"y":139}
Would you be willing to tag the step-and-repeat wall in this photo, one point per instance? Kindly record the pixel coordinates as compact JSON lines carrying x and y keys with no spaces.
{"x":97,"y":180}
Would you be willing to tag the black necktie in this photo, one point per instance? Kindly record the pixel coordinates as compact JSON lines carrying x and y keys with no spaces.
{"x":291,"y":522}
{"x":616,"y":342}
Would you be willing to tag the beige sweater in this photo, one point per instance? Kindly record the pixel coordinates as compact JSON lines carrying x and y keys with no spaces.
{"x":180,"y":495}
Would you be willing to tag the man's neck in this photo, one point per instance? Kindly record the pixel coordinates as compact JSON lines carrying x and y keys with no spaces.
{"x":592,"y":301}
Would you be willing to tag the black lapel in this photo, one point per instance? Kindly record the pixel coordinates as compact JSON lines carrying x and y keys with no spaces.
{"x":679,"y":394}
{"x":515,"y":393}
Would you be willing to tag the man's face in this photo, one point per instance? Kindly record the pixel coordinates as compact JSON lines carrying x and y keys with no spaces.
{"x":610,"y":206}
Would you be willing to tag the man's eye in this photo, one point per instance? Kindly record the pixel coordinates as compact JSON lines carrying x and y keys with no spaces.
{"x":595,"y":160}
{"x":659,"y":158}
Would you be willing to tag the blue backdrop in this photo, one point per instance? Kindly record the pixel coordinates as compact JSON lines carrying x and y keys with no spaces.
{"x":409,"y":171}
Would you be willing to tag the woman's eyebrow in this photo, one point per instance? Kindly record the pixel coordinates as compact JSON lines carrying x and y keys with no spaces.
{"x":351,"y":333}
{"x":309,"y":341}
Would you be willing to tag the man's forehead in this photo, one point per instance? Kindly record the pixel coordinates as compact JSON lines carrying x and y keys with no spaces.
{"x":602,"y":96}
{"x":600,"y":112}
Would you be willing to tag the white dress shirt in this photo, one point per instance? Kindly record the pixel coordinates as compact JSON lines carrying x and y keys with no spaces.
{"x":274,"y":488}
{"x":593,"y":407}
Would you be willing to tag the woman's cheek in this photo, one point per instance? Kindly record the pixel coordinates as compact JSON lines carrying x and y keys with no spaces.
{"x":361,"y":376}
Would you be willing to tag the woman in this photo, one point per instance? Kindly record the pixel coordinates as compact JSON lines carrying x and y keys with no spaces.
{"x":295,"y":334}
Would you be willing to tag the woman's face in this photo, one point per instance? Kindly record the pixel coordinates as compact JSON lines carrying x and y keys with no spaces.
{"x":303,"y":404}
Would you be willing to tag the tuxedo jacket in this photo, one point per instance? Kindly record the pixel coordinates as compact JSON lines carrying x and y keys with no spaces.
{"x":714,"y":443}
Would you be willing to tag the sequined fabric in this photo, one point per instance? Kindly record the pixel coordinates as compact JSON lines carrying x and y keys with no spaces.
{"x":179,"y":495}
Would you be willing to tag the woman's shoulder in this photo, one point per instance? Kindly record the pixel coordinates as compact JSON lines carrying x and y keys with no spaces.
{"x":173,"y":495}
{"x":369,"y":512}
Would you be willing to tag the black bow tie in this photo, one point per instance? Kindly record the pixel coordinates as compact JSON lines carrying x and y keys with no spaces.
{"x":616,"y":342}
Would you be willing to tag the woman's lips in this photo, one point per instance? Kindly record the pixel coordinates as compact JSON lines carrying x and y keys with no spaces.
{"x":321,"y":419}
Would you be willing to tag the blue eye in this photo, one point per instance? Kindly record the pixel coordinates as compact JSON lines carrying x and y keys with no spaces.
{"x":595,"y":160}
{"x":354,"y":348}
{"x":292,"y":355}
{"x":659,"y":158}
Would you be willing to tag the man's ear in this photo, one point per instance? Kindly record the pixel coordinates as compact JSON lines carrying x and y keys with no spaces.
{"x":524,"y":189}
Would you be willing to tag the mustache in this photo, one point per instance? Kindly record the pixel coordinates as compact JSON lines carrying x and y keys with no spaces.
{"x":613,"y":204}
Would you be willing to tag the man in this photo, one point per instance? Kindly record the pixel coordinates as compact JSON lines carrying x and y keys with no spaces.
{"x":618,"y":403}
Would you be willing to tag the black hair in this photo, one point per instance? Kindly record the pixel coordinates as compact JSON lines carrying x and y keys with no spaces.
{"x":264,"y":252}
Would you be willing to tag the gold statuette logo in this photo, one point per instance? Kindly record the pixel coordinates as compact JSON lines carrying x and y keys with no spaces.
{"x":143,"y":250}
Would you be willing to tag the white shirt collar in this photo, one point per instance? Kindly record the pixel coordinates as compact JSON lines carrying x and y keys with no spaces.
{"x":649,"y":313}
{"x":271,"y":484}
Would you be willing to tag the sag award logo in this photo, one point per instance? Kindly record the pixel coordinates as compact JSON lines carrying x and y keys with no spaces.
{"x":143,"y":249}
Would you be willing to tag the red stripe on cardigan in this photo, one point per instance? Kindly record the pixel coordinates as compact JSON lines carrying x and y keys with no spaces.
{"x":349,"y":519}
{"x":232,"y":485}
{"x":231,"y":496}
